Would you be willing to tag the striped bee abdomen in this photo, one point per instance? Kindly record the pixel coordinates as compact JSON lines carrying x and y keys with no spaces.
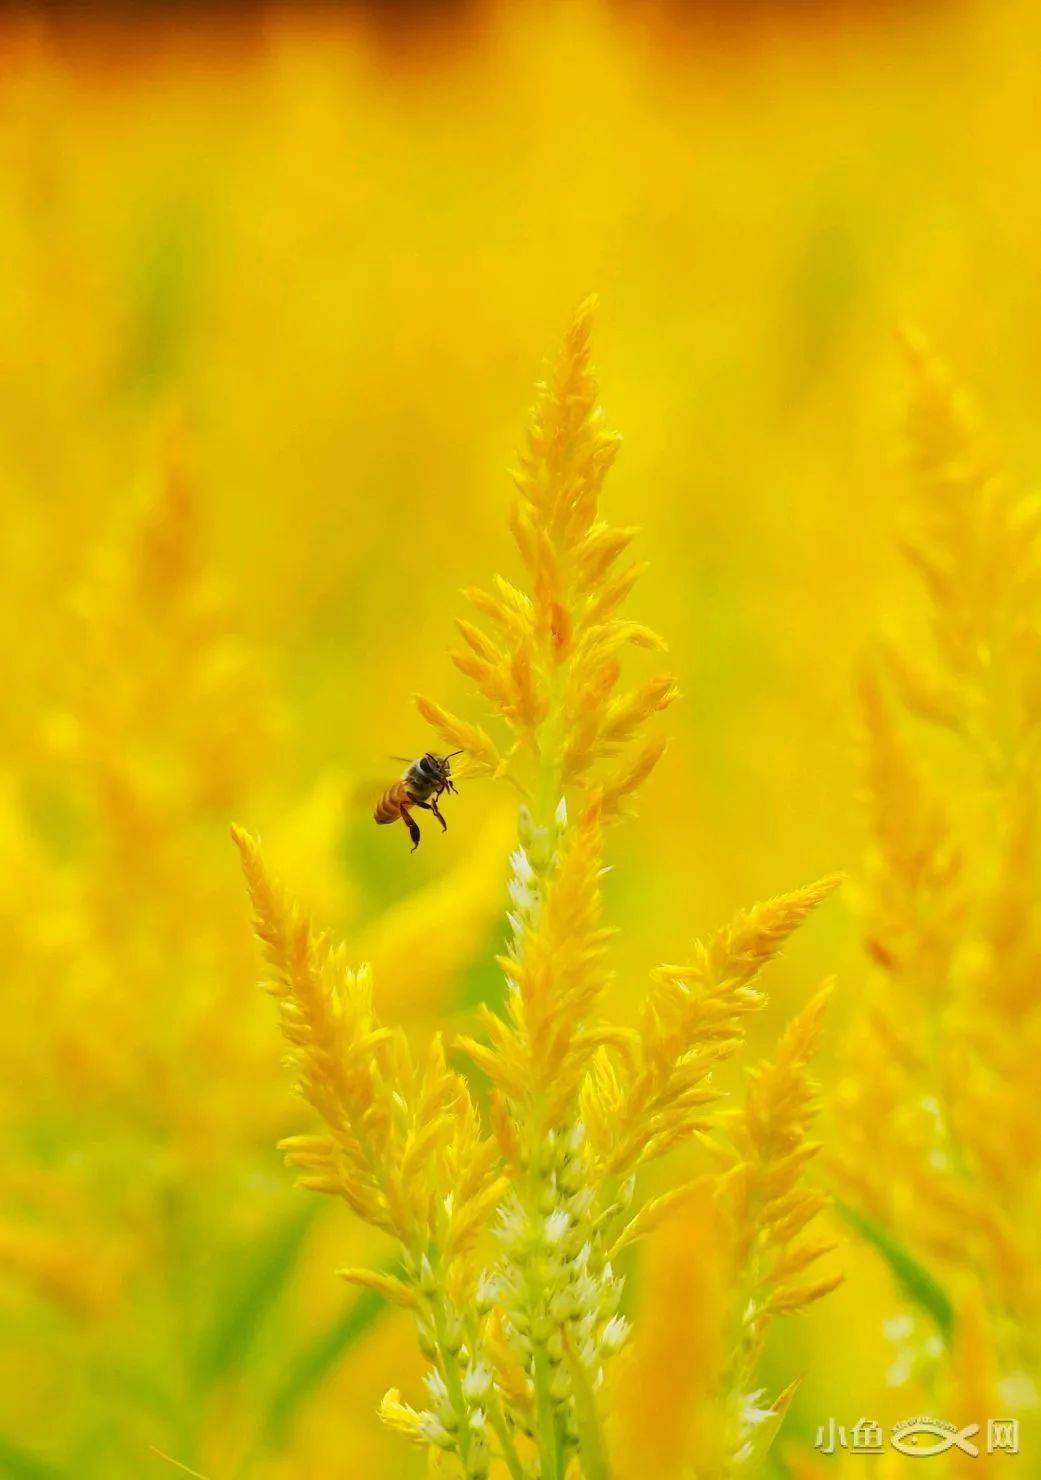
{"x":388,"y":808}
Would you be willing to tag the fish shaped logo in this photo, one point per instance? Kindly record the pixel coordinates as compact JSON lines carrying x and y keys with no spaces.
{"x":939,"y":1438}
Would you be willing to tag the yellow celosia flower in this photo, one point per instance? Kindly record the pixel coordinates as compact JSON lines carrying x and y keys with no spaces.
{"x":518,"y":1346}
{"x":916,"y":889}
{"x":168,"y":715}
{"x":768,"y":1204}
{"x":541,"y":1052}
{"x":692,"y":1018}
{"x":935,"y":1153}
{"x":691,"y":1397}
{"x":552,"y":668}
{"x":401,"y":1133}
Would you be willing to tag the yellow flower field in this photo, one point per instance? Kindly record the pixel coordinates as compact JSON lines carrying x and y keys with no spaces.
{"x":309,"y":452}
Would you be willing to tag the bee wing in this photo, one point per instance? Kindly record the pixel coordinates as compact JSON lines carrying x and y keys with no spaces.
{"x":367,"y":791}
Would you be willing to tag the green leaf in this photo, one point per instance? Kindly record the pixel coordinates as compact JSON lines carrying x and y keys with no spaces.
{"x":315,"y":1359}
{"x":251,"y":1293}
{"x":912,"y":1276}
{"x":164,"y":282}
{"x":17,"y":1463}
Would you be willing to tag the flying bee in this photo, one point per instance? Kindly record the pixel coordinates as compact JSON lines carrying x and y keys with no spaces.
{"x":420,"y":786}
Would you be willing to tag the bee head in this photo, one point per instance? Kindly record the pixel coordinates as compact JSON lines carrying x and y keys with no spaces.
{"x":437,"y":766}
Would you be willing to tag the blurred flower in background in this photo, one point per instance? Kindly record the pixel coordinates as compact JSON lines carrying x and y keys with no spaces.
{"x":277,"y":282}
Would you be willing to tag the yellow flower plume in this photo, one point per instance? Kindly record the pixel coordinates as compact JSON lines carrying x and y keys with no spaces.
{"x":552,"y":668}
{"x":692,"y":1019}
{"x":942,"y":1060}
{"x":771,"y":1207}
{"x":398,"y":1133}
{"x":519,"y":1345}
{"x":540,"y":1051}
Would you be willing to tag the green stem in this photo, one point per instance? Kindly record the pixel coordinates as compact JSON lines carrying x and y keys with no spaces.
{"x":546,"y":1418}
{"x":547,"y":792}
{"x":496,"y":1415}
{"x":509,"y":1449}
{"x":453,"y":1382}
{"x":587,"y":1419}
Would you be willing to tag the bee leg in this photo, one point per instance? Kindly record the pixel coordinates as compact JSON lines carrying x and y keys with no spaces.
{"x":413,"y":827}
{"x":431,"y":806}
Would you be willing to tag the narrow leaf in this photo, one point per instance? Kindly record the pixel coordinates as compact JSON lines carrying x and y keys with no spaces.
{"x":22,"y":1464}
{"x":251,"y":1294}
{"x":314,"y":1360}
{"x":912,"y":1276}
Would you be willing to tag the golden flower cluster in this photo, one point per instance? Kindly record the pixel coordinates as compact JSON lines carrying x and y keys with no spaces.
{"x":519,"y":1340}
{"x":553,"y":668}
{"x":938,"y":1153}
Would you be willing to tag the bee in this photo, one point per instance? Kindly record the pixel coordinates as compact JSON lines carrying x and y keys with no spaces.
{"x":420,"y":786}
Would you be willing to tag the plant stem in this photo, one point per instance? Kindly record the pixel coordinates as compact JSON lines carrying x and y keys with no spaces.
{"x":509,"y":1449}
{"x":453,"y":1382}
{"x":546,"y":1419}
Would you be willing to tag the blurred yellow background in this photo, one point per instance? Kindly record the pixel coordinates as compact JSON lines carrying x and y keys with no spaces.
{"x":276,"y":292}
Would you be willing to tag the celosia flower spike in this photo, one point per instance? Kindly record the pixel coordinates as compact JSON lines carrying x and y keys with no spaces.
{"x":555,"y":982}
{"x":403,"y":1147}
{"x":693,"y":1018}
{"x":941,"y":1064}
{"x":577,"y":1105}
{"x":551,"y":668}
{"x":767,"y":1209}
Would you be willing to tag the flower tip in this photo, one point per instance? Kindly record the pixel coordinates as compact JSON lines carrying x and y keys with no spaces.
{"x":244,"y":841}
{"x":783,"y":1400}
{"x":830,"y":882}
{"x":825,"y":990}
{"x":431,"y":712}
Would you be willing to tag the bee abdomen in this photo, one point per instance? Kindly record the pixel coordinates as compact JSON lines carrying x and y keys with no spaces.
{"x":388,"y":808}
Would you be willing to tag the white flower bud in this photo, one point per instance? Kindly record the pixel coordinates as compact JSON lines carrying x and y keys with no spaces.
{"x":556,"y":1226}
{"x":434,"y":1431}
{"x":614,"y":1335}
{"x":476,"y":1383}
{"x":435,"y":1386}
